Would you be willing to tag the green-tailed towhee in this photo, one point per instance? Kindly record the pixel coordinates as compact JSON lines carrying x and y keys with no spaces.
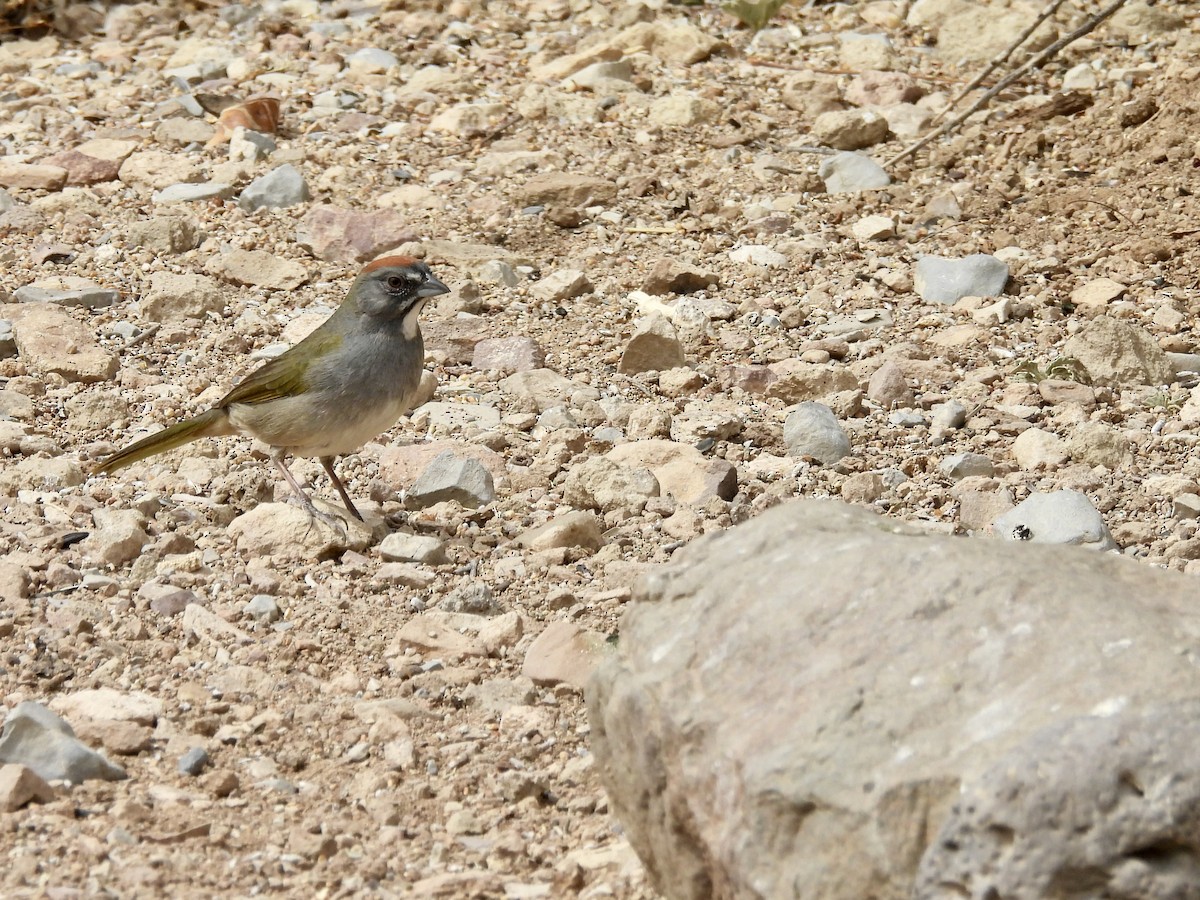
{"x":344,"y":384}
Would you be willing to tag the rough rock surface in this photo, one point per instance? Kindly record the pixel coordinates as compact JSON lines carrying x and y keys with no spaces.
{"x":36,"y":738}
{"x":824,"y":697}
{"x":343,"y":761}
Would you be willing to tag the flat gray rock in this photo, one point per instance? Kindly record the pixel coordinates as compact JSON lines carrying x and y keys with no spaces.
{"x":281,"y":187}
{"x":67,"y":291}
{"x":940,"y":280}
{"x":811,"y":429}
{"x":1063,"y":517}
{"x":417,"y":548}
{"x":966,"y":465}
{"x":36,"y":738}
{"x":852,"y":173}
{"x":450,"y":477}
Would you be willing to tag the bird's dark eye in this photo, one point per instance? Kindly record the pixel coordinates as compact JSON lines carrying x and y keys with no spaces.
{"x":395,"y":282}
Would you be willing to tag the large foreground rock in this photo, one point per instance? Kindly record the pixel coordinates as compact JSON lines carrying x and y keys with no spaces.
{"x":826,"y":704}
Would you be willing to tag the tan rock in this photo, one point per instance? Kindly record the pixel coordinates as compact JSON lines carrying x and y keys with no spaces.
{"x":50,"y":340}
{"x":573,"y":529}
{"x":563,"y":66}
{"x":1057,"y":392}
{"x":683,"y":110}
{"x":567,"y":189}
{"x":158,"y":169}
{"x":409,"y":196}
{"x":795,"y":381}
{"x":466,"y":119}
{"x":564,"y":654}
{"x":813,"y":93}
{"x":436,"y":631}
{"x":163,"y":234}
{"x":37,"y":473}
{"x":682,"y":471}
{"x":20,"y":786}
{"x":889,"y":388}
{"x":850,"y":129}
{"x":1094,"y":297}
{"x":15,"y":405}
{"x":1036,"y":449}
{"x":680,"y":42}
{"x":565,"y":284}
{"x":173,"y":297}
{"x":400,"y":466}
{"x":118,"y":538}
{"x":1097,"y":444}
{"x":138,"y":707}
{"x":671,"y":275}
{"x":654,"y":346}
{"x":284,"y":529}
{"x":470,"y":257}
{"x":601,"y":484}
{"x":32,"y":176}
{"x":1116,"y":354}
{"x":545,"y":388}
{"x":117,"y":737}
{"x":258,"y":268}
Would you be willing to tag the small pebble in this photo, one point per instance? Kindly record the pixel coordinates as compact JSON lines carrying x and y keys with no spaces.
{"x":263,"y":608}
{"x":193,"y":762}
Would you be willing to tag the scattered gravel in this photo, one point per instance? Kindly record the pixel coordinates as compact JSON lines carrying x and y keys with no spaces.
{"x":668,"y":314}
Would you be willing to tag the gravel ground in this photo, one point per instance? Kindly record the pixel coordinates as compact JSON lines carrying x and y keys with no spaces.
{"x":348,"y":755}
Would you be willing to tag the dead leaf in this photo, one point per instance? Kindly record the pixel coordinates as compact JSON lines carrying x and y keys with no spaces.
{"x":259,"y":114}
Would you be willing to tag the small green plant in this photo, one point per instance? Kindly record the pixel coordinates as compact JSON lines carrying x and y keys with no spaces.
{"x":1164,"y":401}
{"x":754,"y":14}
{"x":1063,"y":368}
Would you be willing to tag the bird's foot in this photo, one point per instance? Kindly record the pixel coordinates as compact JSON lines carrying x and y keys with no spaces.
{"x":335,"y":522}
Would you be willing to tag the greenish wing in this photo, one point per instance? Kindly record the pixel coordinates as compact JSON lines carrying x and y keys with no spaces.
{"x":283,"y":376}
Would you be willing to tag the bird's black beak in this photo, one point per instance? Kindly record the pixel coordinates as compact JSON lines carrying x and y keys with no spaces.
{"x":432,"y":288}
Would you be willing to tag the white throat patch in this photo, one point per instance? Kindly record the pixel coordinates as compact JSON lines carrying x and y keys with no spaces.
{"x":410,"y":327}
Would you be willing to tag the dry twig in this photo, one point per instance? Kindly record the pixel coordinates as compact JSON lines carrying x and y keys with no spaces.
{"x":1002,"y":57}
{"x":1033,"y":62}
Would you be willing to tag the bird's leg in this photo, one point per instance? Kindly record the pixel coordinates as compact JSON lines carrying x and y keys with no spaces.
{"x":305,"y":500}
{"x":327,"y":462}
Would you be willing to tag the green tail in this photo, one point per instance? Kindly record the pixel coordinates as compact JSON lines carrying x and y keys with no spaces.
{"x":206,"y":424}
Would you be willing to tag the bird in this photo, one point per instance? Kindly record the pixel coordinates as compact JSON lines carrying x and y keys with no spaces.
{"x":349,"y":381}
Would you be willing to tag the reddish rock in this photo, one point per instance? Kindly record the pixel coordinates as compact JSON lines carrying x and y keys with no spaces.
{"x":751,"y":379}
{"x":882,"y":89}
{"x":84,"y":169}
{"x":343,"y":235}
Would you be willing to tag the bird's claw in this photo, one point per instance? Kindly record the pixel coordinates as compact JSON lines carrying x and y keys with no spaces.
{"x":333,"y":521}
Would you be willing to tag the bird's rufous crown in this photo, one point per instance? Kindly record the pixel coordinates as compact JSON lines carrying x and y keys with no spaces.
{"x":388,"y":262}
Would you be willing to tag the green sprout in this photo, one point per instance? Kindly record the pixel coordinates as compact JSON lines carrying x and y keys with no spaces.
{"x":754,"y":14}
{"x":1062,"y":368}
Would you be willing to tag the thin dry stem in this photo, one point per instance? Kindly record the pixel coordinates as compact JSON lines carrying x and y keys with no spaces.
{"x":1035,"y":61}
{"x":1001,"y":58}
